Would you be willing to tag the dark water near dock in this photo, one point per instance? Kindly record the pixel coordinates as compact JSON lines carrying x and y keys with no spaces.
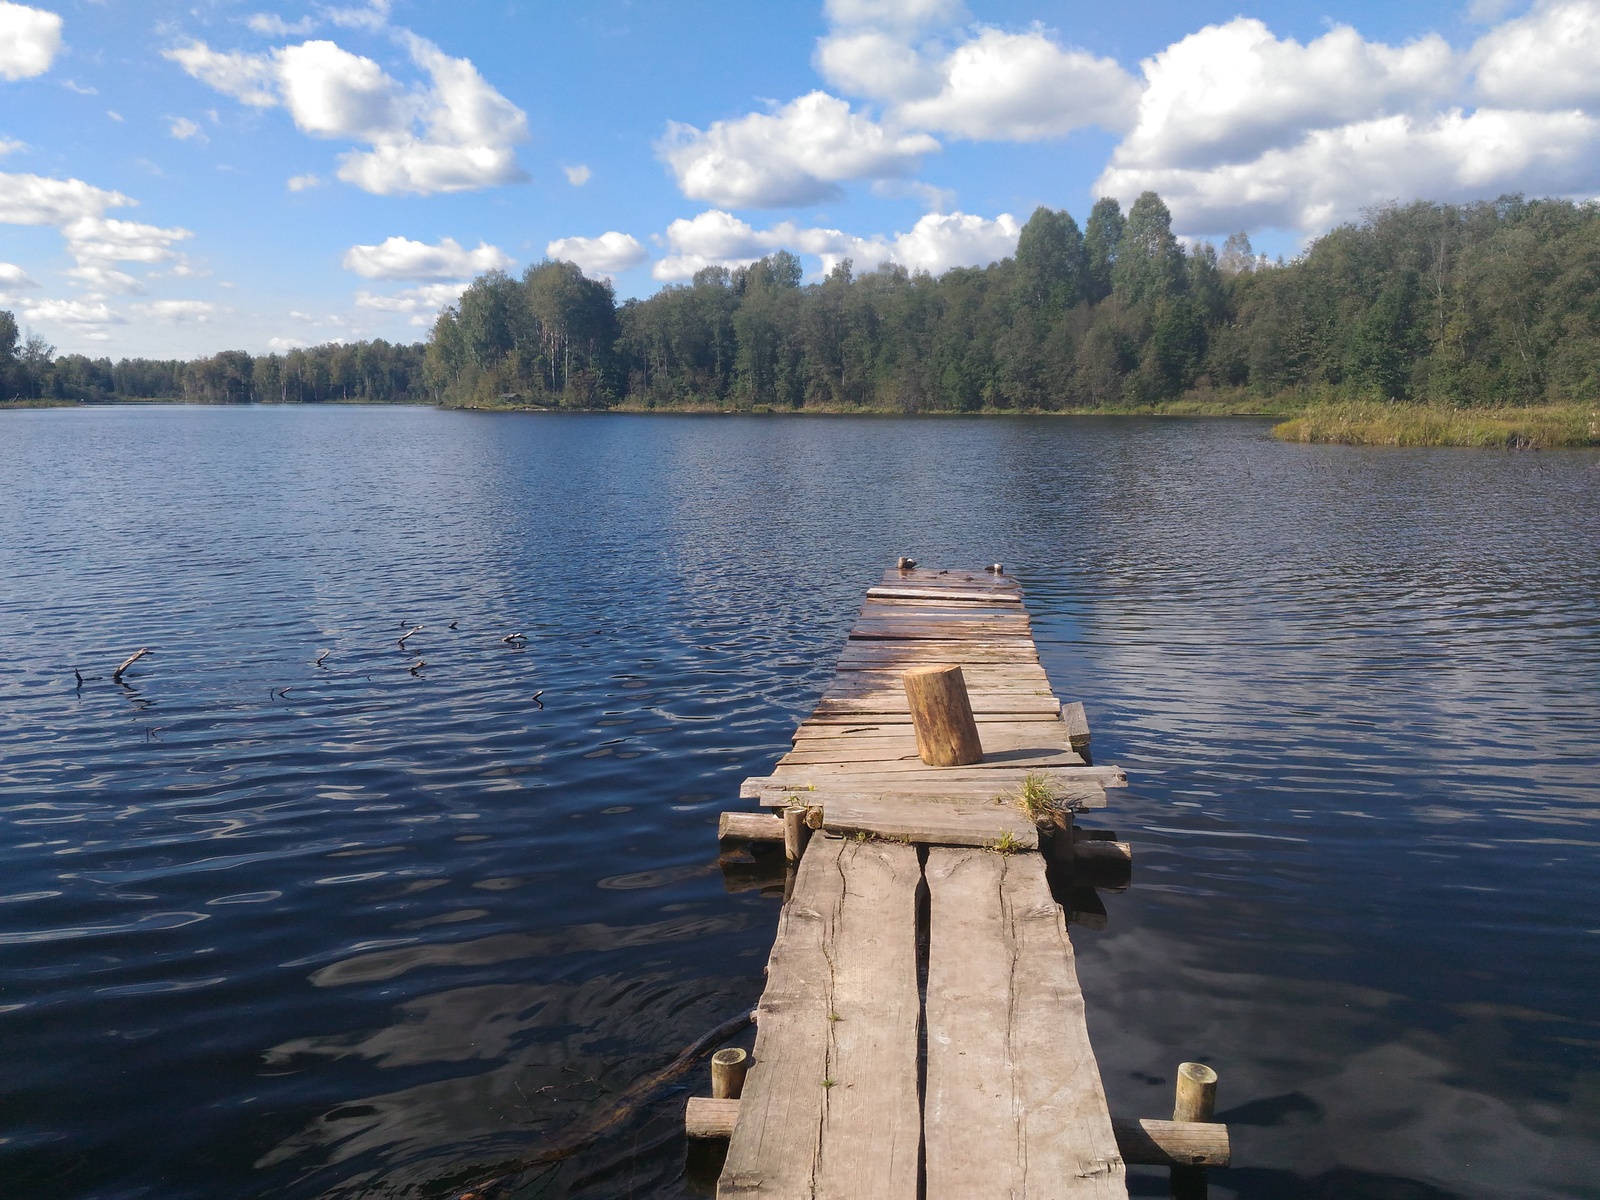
{"x":273,"y":929}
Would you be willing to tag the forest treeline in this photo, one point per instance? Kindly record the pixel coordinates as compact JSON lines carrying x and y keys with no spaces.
{"x":1494,"y":303}
{"x":372,"y":372}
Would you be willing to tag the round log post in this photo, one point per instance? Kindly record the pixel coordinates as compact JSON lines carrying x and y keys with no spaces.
{"x":1197,"y":1092}
{"x":941,"y":713}
{"x":728,"y":1069}
{"x":795,"y":834}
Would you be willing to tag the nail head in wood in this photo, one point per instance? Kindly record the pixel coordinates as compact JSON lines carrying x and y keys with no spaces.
{"x":728,"y":1068}
{"x":941,"y":715}
{"x":1196,"y":1094}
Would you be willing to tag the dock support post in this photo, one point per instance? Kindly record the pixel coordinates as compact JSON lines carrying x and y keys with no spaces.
{"x":728,"y":1068}
{"x":941,"y":714}
{"x":795,"y":834}
{"x":1196,"y":1098}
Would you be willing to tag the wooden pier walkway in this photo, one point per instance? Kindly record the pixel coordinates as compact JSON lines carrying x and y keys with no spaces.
{"x":922,"y":1031}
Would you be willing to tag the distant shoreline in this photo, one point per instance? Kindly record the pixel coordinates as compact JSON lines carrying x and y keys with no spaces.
{"x":1324,"y":422}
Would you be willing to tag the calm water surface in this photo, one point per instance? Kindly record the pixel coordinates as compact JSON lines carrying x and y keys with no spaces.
{"x":275,"y":929}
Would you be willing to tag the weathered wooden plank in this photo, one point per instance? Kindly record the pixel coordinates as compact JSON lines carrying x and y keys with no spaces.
{"x":924,"y":592}
{"x":830,"y":1108}
{"x":872,"y":1130}
{"x":919,"y":820}
{"x":939,"y":630}
{"x":1032,"y":735}
{"x":869,"y":758}
{"x":774,"y":1148}
{"x":1014,"y":1103}
{"x":983,"y":702}
{"x":1002,"y":729}
{"x":1073,"y":787}
{"x":962,"y":576}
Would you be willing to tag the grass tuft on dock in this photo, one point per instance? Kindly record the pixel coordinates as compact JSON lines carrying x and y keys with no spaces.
{"x":1366,"y":423}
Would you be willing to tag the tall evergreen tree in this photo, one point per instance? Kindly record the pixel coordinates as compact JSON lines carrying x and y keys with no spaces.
{"x":1101,"y":237}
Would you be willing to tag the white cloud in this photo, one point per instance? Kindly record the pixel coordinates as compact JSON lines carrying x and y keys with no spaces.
{"x":11,"y":146}
{"x":373,"y":16}
{"x":797,"y":155}
{"x":421,"y":304}
{"x":249,"y":78}
{"x":401,"y":258}
{"x":13,"y":277}
{"x":73,"y":85}
{"x":579,"y":175}
{"x":455,"y":135}
{"x":107,"y":240}
{"x":903,"y":14}
{"x":36,"y":200}
{"x":272,"y":25}
{"x":603,"y":256}
{"x":29,"y":40}
{"x":183,"y":128}
{"x":1331,"y":174}
{"x":1230,"y":92}
{"x":300,"y":183}
{"x":1241,"y":129}
{"x":872,"y":62}
{"x":1549,"y":58}
{"x":73,"y":312}
{"x":177,"y":312}
{"x":280,"y":345}
{"x":1022,"y":87}
{"x":935,"y":243}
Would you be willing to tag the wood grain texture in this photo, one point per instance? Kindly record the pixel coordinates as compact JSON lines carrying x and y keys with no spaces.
{"x":1014,"y":1104}
{"x":927,"y":822}
{"x":830,"y":1108}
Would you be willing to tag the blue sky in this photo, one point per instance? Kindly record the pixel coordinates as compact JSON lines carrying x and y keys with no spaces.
{"x":181,"y":178}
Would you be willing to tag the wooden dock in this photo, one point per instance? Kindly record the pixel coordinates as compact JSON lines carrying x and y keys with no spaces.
{"x":922,"y":1031}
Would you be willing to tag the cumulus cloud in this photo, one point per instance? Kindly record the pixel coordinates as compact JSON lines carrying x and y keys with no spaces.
{"x":402,"y":258}
{"x":13,"y":277}
{"x":272,"y":25}
{"x":177,"y":312}
{"x":1546,"y":59}
{"x":1021,"y":87}
{"x":37,"y":200}
{"x":74,"y":312}
{"x":457,"y":134}
{"x":183,"y":129}
{"x":602,"y":256}
{"x":97,"y":244}
{"x":421,"y":303}
{"x":903,"y":14}
{"x":579,"y":175}
{"x":796,"y":155}
{"x":1332,"y":174}
{"x":29,"y":40}
{"x":1230,"y":92}
{"x":1238,"y":128}
{"x":935,"y":243}
{"x":301,"y":183}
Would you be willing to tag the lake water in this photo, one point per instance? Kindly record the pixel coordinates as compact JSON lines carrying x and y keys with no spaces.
{"x":275,"y":929}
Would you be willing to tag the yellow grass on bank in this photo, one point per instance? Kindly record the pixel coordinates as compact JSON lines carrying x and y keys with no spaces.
{"x":1370,"y":424}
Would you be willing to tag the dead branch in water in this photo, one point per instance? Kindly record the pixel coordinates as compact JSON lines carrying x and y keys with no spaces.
{"x":320,"y":657}
{"x":591,"y":1129}
{"x":416,"y":668}
{"x":402,"y":642}
{"x":513,"y":639}
{"x":116,"y":676}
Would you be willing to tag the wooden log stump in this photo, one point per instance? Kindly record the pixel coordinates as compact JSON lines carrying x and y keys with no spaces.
{"x":941,"y":714}
{"x":796,"y":833}
{"x":749,"y":827}
{"x":1196,"y":1093}
{"x":728,"y":1069}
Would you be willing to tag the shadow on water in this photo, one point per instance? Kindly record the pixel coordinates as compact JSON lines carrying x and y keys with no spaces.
{"x":287,"y":917}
